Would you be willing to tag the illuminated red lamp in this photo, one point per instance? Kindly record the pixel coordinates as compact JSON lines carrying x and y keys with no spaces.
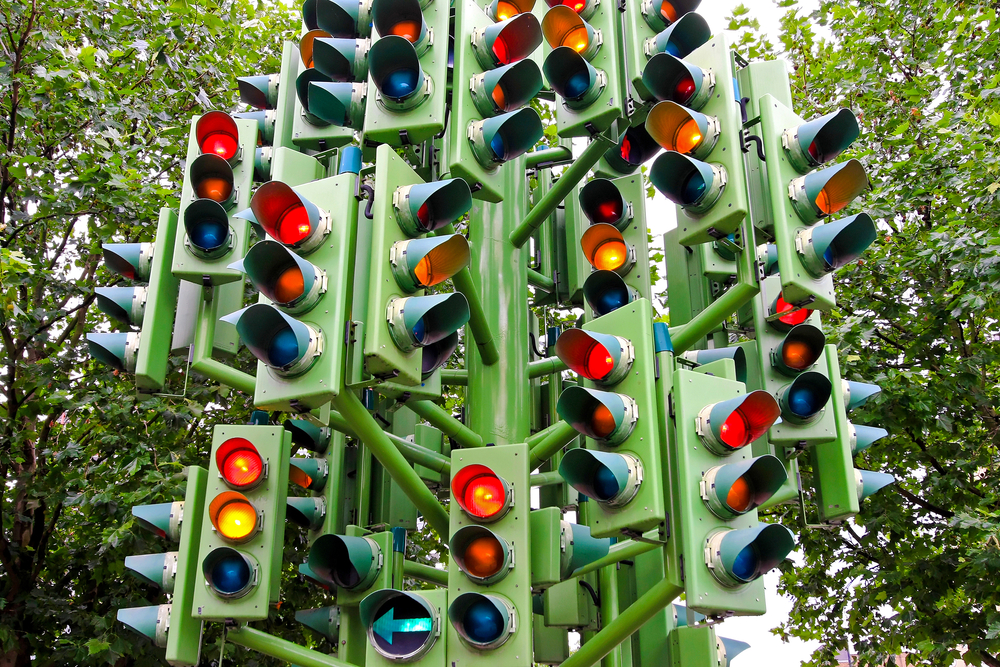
{"x":481,"y":493}
{"x":216,"y":133}
{"x":735,"y":423}
{"x":795,"y":315}
{"x":239,"y":463}
{"x":288,"y":218}
{"x":602,"y":358}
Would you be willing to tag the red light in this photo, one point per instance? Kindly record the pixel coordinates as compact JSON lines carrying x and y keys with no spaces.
{"x":502,"y":50}
{"x":668,"y":12}
{"x":684,"y":90}
{"x":627,"y":150}
{"x":608,"y":211}
{"x":293,"y":226}
{"x":576,"y":5}
{"x":735,"y":430}
{"x":484,"y":496}
{"x":424,"y":215}
{"x":220,"y":143}
{"x":239,"y":463}
{"x":409,"y":30}
{"x":793,"y":318}
{"x":599,"y":362}
{"x":216,"y":133}
{"x":814,"y":151}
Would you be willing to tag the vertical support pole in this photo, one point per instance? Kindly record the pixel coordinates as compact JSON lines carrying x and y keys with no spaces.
{"x":608,"y":578}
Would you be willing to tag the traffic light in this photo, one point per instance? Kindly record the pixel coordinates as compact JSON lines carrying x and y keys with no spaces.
{"x":326,"y":107}
{"x":655,"y":27}
{"x":560,"y":547}
{"x":217,"y":180}
{"x":615,"y":243}
{"x":242,"y":535}
{"x":620,"y":469}
{"x":493,"y":81}
{"x":807,"y":250}
{"x":490,"y":560}
{"x":582,"y":66}
{"x":501,"y":10}
{"x":702,"y":169}
{"x":408,"y":70}
{"x":297,"y":327}
{"x":718,"y":485}
{"x":404,"y":627}
{"x":149,"y":309}
{"x":356,"y":563}
{"x":171,"y":625}
{"x":407,"y":334}
{"x":340,"y":18}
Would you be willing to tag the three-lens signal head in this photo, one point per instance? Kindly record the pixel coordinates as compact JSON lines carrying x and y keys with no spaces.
{"x":562,"y":26}
{"x":606,"y":250}
{"x":602,"y":202}
{"x":481,"y":493}
{"x":505,"y":88}
{"x":692,"y":184}
{"x":734,"y":423}
{"x":604,"y":416}
{"x":508,"y":41}
{"x":610,"y":479}
{"x":821,"y":140}
{"x":827,"y":191}
{"x":485,"y":621}
{"x":289,"y":218}
{"x":598,"y":357}
{"x":737,"y":557}
{"x":482,"y":555}
{"x":286,"y":279}
{"x":427,"y":207}
{"x":736,"y":488}
{"x":677,"y":128}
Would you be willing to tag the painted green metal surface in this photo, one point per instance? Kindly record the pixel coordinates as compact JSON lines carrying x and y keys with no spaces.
{"x":161,"y":304}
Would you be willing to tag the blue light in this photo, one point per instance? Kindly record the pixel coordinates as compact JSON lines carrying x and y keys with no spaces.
{"x":693,"y":189}
{"x":420,"y":330}
{"x":828,"y":257}
{"x":577,"y":85}
{"x":209,"y":234}
{"x":673,"y":49}
{"x":284,"y":348}
{"x":230,"y":574}
{"x":400,"y":83}
{"x":483,"y":622}
{"x":498,"y":147}
{"x":610,"y":300}
{"x":803,"y":402}
{"x":606,"y":484}
{"x":745,"y":563}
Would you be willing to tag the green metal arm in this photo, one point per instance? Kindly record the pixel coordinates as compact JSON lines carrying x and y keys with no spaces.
{"x":282,"y":649}
{"x":547,"y":442}
{"x":548,"y":157}
{"x":448,"y":425}
{"x":546,"y":478}
{"x":541,"y":281}
{"x":546,"y":366}
{"x":411,"y":451}
{"x":624,"y":550}
{"x":204,"y":364}
{"x":422,"y":572}
{"x":454,"y":377}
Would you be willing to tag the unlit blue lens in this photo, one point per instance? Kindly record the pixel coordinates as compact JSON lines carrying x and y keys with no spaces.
{"x":693,"y":189}
{"x":419,"y":330}
{"x":483,"y":622}
{"x":609,"y":300}
{"x":230,"y":575}
{"x":400,"y":83}
{"x":605,"y":484}
{"x":497,"y":146}
{"x":577,"y":85}
{"x":804,"y":402}
{"x":209,"y":234}
{"x":284,"y":348}
{"x":745,"y":564}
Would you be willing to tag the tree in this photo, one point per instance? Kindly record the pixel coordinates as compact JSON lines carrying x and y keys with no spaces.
{"x":915,"y":571}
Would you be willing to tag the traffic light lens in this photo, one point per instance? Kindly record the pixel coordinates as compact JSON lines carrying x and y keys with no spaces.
{"x":505,"y":10}
{"x":400,"y":83}
{"x":606,"y":484}
{"x":804,"y":402}
{"x":485,"y":496}
{"x":740,"y":496}
{"x":409,"y":30}
{"x":217,"y":189}
{"x":498,"y":147}
{"x":668,"y":12}
{"x":424,"y":215}
{"x":242,"y":468}
{"x":745,"y":564}
{"x":499,"y":99}
{"x":599,"y":362}
{"x":684,"y":90}
{"x":735,"y":430}
{"x":237,"y":519}
{"x":484,"y":556}
{"x":798,"y":355}
{"x":230,"y":575}
{"x":609,"y":211}
{"x":610,"y":255}
{"x":577,"y":84}
{"x":289,"y":286}
{"x":694,"y":188}
{"x":793,"y":318}
{"x":294,"y":225}
{"x":602,"y":421}
{"x":688,"y":137}
{"x":209,"y":234}
{"x":577,"y":39}
{"x":419,"y":330}
{"x":483,"y":622}
{"x":284,"y":348}
{"x":814,"y":151}
{"x":222,"y":144}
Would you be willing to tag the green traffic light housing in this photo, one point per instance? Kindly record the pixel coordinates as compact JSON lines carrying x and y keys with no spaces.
{"x":734,"y":423}
{"x":660,"y":14}
{"x":402,"y":18}
{"x":601,"y":358}
{"x":606,"y":292}
{"x":863,"y":437}
{"x":634,"y":148}
{"x":265,"y":120}
{"x":286,"y":345}
{"x":605,"y":416}
{"x":427,"y":207}
{"x":692,"y":184}
{"x":259,"y":91}
{"x":870,"y":483}
{"x":505,"y":136}
{"x":348,"y":562}
{"x":609,"y":479}
{"x":425,"y":262}
{"x":325,"y":621}
{"x":306,"y":513}
{"x":307,"y":435}
{"x":804,"y":400}
{"x":737,"y":354}
{"x":681,"y":38}
{"x":602,"y":202}
{"x":508,"y":41}
{"x":230,"y":574}
{"x":310,"y":474}
{"x":339,"y":103}
{"x":394,"y":66}
{"x":737,"y":557}
{"x":505,"y":88}
{"x":562,"y":26}
{"x":827,"y":191}
{"x":826,"y":248}
{"x":821,"y":140}
{"x":129,"y":260}
{"x":800,"y":349}
{"x":125,"y":304}
{"x":677,"y":128}
{"x":482,"y":555}
{"x":484,"y":621}
{"x":856,"y":394}
{"x":288,"y":218}
{"x":292,"y":283}
{"x":118,"y":350}
{"x":303,"y":82}
{"x":501,"y":10}
{"x":736,"y":488}
{"x":344,"y":18}
{"x":681,"y":615}
{"x":342,"y":59}
{"x":418,"y":321}
{"x":573,"y":78}
{"x":209,"y":234}
{"x":154,"y":569}
{"x":401,"y":626}
{"x":151,"y":622}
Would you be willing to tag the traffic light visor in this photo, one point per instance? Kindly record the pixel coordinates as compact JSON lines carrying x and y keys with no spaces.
{"x":501,"y":10}
{"x":740,"y":556}
{"x":739,"y":357}
{"x":610,"y":479}
{"x":212,"y":178}
{"x":826,"y":248}
{"x":856,"y":394}
{"x":736,"y":422}
{"x":798,"y":350}
{"x":605,"y":248}
{"x":290,"y":219}
{"x":481,"y":493}
{"x":506,"y":88}
{"x":480,"y":553}
{"x":605,"y":291}
{"x":484,"y":621}
{"x":282,"y":276}
{"x":229,"y":573}
{"x":150,"y":622}
{"x":339,"y":103}
{"x":584,"y":547}
{"x":306,"y":45}
{"x":682,"y":37}
{"x":683,"y":130}
{"x":129,"y":260}
{"x":605,"y":416}
{"x":162,"y":519}
{"x":118,"y":350}
{"x":125,"y":304}
{"x":302,"y":85}
{"x":305,"y":512}
{"x":732,"y":648}
{"x":434,"y":355}
{"x":402,"y":18}
{"x":804,"y":399}
{"x":425,"y":262}
{"x":344,"y":18}
{"x":401,"y":626}
{"x":863,"y":437}
{"x":395,"y":71}
{"x":691,"y":184}
{"x":283,"y":343}
{"x":341,"y":59}
{"x":661,"y":13}
{"x":737,"y":488}
{"x":827,"y":191}
{"x":207,"y":226}
{"x":307,"y":435}
{"x":602,"y":201}
{"x":217,"y":134}
{"x":635,"y":147}
{"x":598,"y":357}
{"x":561,"y":26}
{"x":234,"y":516}
{"x":573,"y":78}
{"x":870,"y":483}
{"x":240,"y":464}
{"x":154,"y":569}
{"x":349,"y":562}
{"x":426,"y":207}
{"x":418,"y":321}
{"x":821,"y":140}
{"x":509,"y":41}
{"x":259,"y":91}
{"x":669,"y":78}
{"x":506,"y":136}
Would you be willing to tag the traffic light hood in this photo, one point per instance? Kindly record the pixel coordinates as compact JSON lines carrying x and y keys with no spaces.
{"x":305,"y":512}
{"x":339,"y":103}
{"x":307,"y":435}
{"x":506,"y":88}
{"x":401,"y":18}
{"x":282,"y":276}
{"x":691,"y":184}
{"x":425,"y":262}
{"x":870,"y":483}
{"x":154,"y":569}
{"x":505,"y":136}
{"x":602,"y":201}
{"x":217,"y":134}
{"x":129,"y":260}
{"x":306,"y":45}
{"x":669,"y":78}
{"x":212,"y":178}
{"x":610,"y":479}
{"x":602,"y":415}
{"x":501,"y":10}
{"x":289,"y":218}
{"x":605,"y":248}
{"x":561,"y":26}
{"x":739,"y":357}
{"x":736,"y":488}
{"x":342,"y":59}
{"x":573,"y":78}
{"x":286,"y":345}
{"x":856,"y":394}
{"x":635,"y":147}
{"x":826,"y":248}
{"x":163,"y":519}
{"x":863,"y":437}
{"x":584,"y":548}
{"x":302,"y":81}
{"x":799,"y":350}
{"x":434,"y":355}
{"x":484,"y":621}
{"x":230,"y":574}
{"x":827,"y":191}
{"x":736,"y":422}
{"x":426,"y":207}
{"x":659,"y":14}
{"x":804,"y":399}
{"x":603,"y":358}
{"x":344,"y":18}
{"x":308,"y":473}
{"x":682,"y":37}
{"x":150,"y":622}
{"x":821,"y":140}
{"x":742,"y":555}
{"x":125,"y":304}
{"x":418,"y":321}
{"x":508,"y":41}
{"x":118,"y":350}
{"x":259,"y":91}
{"x":347,"y":562}
{"x":480,"y":553}
{"x":677,"y":128}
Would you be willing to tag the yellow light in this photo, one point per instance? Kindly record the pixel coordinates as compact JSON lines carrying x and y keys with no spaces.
{"x":297,"y":476}
{"x":610,"y":255}
{"x":484,"y":556}
{"x":688,"y":137}
{"x":577,"y":39}
{"x":798,"y":355}
{"x":236,"y":520}
{"x":602,"y":421}
{"x":289,"y":286}
{"x":505,"y":10}
{"x":740,"y":496}
{"x":215,"y":188}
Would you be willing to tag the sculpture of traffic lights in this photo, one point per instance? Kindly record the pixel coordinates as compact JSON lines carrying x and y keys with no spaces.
{"x":408,"y":335}
{"x":243,"y":528}
{"x":615,"y":243}
{"x":840,"y":487}
{"x":801,"y":194}
{"x":493,"y":81}
{"x":702,"y":169}
{"x":296,"y":330}
{"x":217,"y":180}
{"x":659,"y":26}
{"x":718,"y":485}
{"x":489,"y":573}
{"x":620,"y":470}
{"x":404,"y":627}
{"x":582,"y":66}
{"x":171,"y":626}
{"x":149,"y":310}
{"x":407,"y":72}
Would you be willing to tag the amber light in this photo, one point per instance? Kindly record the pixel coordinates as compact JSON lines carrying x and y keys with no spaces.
{"x":480,"y":492}
{"x":610,"y":255}
{"x":668,"y":11}
{"x":740,"y":496}
{"x":289,"y":286}
{"x":408,"y":30}
{"x":499,"y":99}
{"x":688,"y":137}
{"x":233,"y":516}
{"x":214,"y":188}
{"x":484,"y":556}
{"x":602,"y":422}
{"x":299,"y":477}
{"x":577,"y":39}
{"x":798,"y":355}
{"x":505,"y":10}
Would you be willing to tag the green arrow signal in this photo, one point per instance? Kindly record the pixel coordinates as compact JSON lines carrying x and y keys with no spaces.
{"x":386,"y":624}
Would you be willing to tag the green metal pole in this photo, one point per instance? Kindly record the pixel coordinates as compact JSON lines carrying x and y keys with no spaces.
{"x":454,"y":376}
{"x":624,"y":550}
{"x":411,"y":451}
{"x":608,"y":579}
{"x":338,"y":423}
{"x":546,"y":478}
{"x":278,"y":648}
{"x":630,"y":620}
{"x":450,"y":426}
{"x":382,"y":447}
{"x":540,"y":281}
{"x":548,"y":157}
{"x":556,"y":437}
{"x":422,"y":572}
{"x":546,"y":366}
{"x":202,"y":361}
{"x":575,"y":173}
